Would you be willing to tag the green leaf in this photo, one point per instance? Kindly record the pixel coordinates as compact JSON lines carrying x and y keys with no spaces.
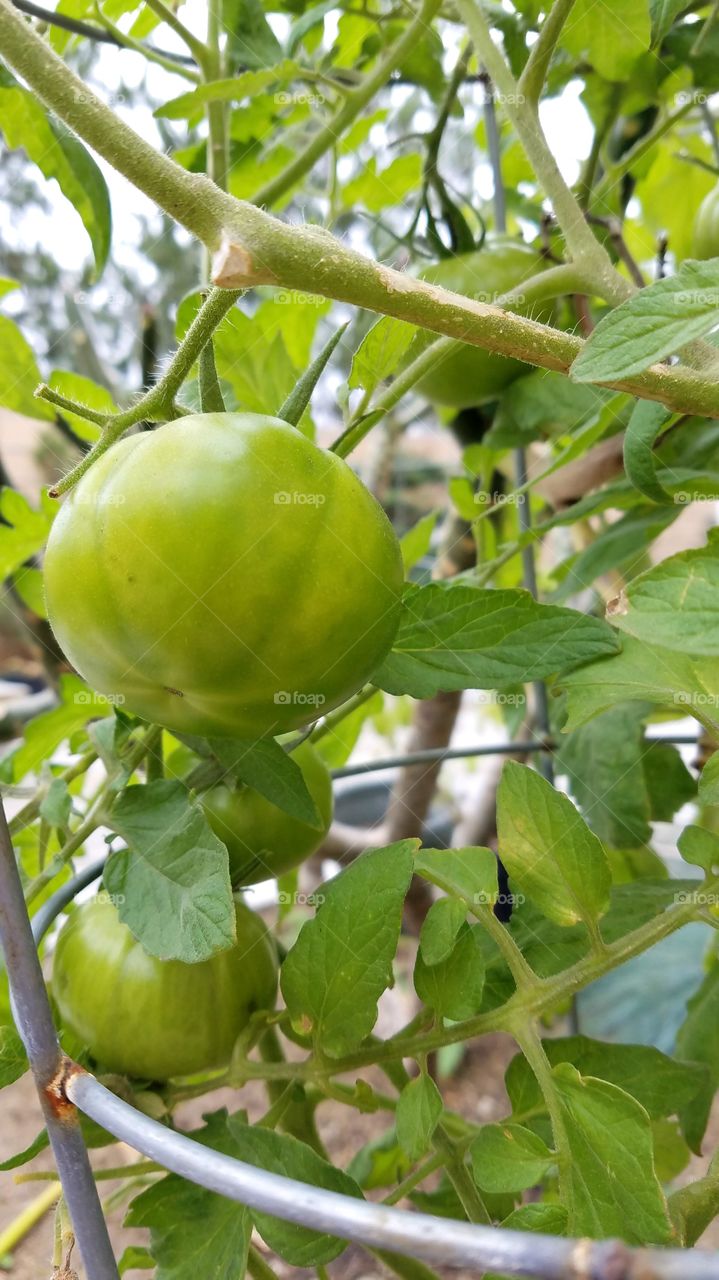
{"x":655,"y":322}
{"x":415,"y":543}
{"x":508,"y":1157}
{"x":545,"y":1219}
{"x":695,"y":1206}
{"x":676,"y":604}
{"x":669,"y":783}
{"x":642,"y":672}
{"x":341,"y":962}
{"x":19,"y":374}
{"x":465,"y":637}
{"x":454,"y":987}
{"x":469,"y":874}
{"x":251,"y":40}
{"x":38,"y":1144}
{"x":83,"y":391}
{"x":440,"y":928}
{"x":541,"y":404}
{"x":380,"y":352}
{"x":663,"y":13}
{"x":698,"y":1040}
{"x":612,"y":34}
{"x":135,"y":1258}
{"x":604,"y":761}
{"x":662,"y":1085}
{"x":24,"y":530}
{"x":248,"y":85}
{"x":59,"y":155}
{"x":611,"y":1186}
{"x":45,"y":733}
{"x":709,"y":781}
{"x":194,"y":1232}
{"x":173,"y":882}
{"x":56,"y":804}
{"x":267,"y":768}
{"x":419,"y":1108}
{"x":375,"y":189}
{"x":13,"y":1059}
{"x":548,"y":849}
{"x":647,"y":423}
{"x":282,"y":1154}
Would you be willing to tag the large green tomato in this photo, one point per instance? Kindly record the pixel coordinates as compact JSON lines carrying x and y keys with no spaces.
{"x":154,"y":1019}
{"x":468,"y":375}
{"x":706,"y":226}
{"x":262,"y":841}
{"x":223,"y":576}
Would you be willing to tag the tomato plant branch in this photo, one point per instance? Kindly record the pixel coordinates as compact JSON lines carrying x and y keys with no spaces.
{"x":125,"y":41}
{"x":581,"y":243}
{"x":530,"y":1043}
{"x":531,"y":81}
{"x":167,"y":15}
{"x":641,"y":148}
{"x":355,"y":101}
{"x":159,"y":402}
{"x":256,"y":248}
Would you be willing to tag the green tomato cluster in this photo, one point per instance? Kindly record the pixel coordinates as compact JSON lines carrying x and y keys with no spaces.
{"x":156,"y":1019}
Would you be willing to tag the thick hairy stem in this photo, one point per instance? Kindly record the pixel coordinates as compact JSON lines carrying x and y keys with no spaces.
{"x":256,"y":248}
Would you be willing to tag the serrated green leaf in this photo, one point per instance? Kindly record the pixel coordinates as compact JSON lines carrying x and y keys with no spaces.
{"x":19,"y":374}
{"x":341,"y":962}
{"x":454,"y":987}
{"x":465,"y":637}
{"x":647,"y":423}
{"x":45,"y":733}
{"x":380,"y":352}
{"x":612,"y":34}
{"x":267,"y":768}
{"x":642,"y":672}
{"x":508,"y":1157}
{"x":548,"y":849}
{"x":709,"y":781}
{"x":279,"y":1153}
{"x":38,"y":1144}
{"x":419,"y":1108}
{"x":611,"y":1186}
{"x":698,"y":1041}
{"x":13,"y":1059}
{"x":662,"y":1085}
{"x":23,"y":531}
{"x":236,"y":89}
{"x":604,"y":761}
{"x":194,"y":1232}
{"x":59,"y":155}
{"x":172,"y":882}
{"x":415,"y":544}
{"x":675,"y":604}
{"x":663,"y":13}
{"x":440,"y":928}
{"x":469,"y":874}
{"x":655,"y":322}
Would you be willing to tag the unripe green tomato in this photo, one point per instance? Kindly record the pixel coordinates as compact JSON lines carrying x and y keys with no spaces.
{"x":468,"y":375}
{"x":156,"y":1019}
{"x":706,"y":227}
{"x":262,"y":841}
{"x":224,"y":576}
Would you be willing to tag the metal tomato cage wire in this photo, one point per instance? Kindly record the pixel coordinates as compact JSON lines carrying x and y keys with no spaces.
{"x":63,"y":1087}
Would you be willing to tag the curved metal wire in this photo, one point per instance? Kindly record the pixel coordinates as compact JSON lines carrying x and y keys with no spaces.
{"x":438,"y":1240}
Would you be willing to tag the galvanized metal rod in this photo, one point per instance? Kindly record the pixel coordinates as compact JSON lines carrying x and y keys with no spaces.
{"x":34,"y":1022}
{"x":455,"y":1244}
